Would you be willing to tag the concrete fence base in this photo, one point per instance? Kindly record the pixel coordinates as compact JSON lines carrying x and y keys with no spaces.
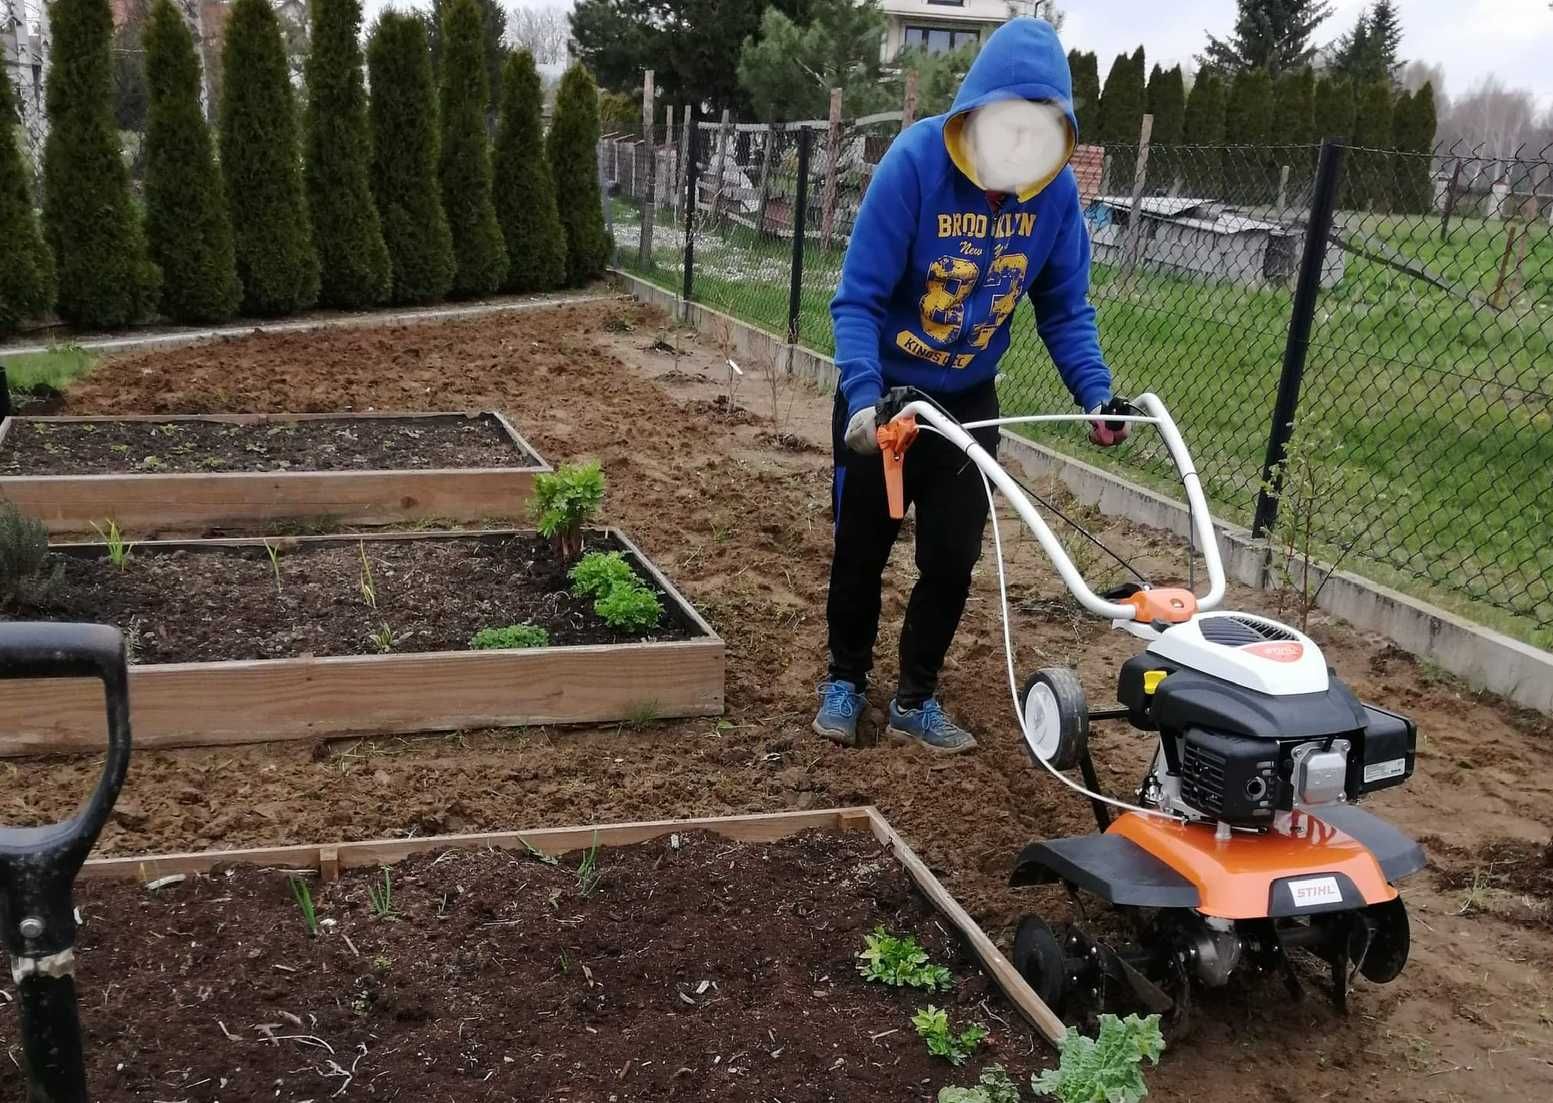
{"x":1486,"y":659}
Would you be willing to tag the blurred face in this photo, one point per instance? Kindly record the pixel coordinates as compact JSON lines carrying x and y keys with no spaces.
{"x":1016,"y":144}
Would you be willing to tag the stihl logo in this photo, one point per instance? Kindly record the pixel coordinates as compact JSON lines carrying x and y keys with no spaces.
{"x":1317,"y":890}
{"x":1277,"y":652}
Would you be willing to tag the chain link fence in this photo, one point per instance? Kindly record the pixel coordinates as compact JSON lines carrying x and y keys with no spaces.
{"x":1402,"y":376}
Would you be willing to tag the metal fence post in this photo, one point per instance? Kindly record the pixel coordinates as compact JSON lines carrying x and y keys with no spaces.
{"x":692,"y":181}
{"x":800,"y":215}
{"x":1323,"y":203}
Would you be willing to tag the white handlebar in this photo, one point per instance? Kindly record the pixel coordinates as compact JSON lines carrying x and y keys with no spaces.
{"x":1158,"y":415}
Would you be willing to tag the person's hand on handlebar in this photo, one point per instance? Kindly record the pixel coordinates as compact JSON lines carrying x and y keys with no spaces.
{"x":1109,"y":434}
{"x":861,"y":435}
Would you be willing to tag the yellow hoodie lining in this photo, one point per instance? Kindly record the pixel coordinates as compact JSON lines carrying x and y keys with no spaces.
{"x":954,"y":141}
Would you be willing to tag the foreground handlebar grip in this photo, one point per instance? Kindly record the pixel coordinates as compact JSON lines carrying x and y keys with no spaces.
{"x":894,"y":438}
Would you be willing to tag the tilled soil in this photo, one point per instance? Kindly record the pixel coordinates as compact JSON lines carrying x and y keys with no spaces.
{"x":741,"y":524}
{"x":180,"y":447}
{"x":349,"y":597}
{"x":695,"y":968}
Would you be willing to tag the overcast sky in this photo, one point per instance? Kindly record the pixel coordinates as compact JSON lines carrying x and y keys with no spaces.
{"x":1471,"y":38}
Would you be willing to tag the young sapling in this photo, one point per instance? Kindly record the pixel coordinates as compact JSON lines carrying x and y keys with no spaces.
{"x":564,"y":501}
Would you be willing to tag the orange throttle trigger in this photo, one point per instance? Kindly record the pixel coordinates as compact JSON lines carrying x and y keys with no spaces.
{"x":894,"y":438}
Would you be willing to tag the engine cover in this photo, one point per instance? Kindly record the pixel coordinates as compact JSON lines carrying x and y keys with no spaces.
{"x":1247,"y":650}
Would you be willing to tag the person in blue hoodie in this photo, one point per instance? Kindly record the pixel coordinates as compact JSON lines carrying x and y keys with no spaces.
{"x":967,"y":212}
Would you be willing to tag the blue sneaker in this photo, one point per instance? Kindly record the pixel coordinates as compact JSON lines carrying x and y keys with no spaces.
{"x":928,"y":726}
{"x":840,"y":707}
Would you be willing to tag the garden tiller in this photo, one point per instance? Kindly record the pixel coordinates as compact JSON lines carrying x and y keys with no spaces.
{"x":38,"y":865}
{"x":1243,"y":841}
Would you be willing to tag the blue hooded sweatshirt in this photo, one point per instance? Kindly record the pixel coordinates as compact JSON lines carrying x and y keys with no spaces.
{"x":933,"y":273}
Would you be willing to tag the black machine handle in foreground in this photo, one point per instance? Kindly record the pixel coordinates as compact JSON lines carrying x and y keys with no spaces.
{"x":38,"y":865}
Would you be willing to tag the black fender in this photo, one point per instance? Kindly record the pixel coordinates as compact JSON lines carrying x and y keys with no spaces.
{"x":1113,"y":867}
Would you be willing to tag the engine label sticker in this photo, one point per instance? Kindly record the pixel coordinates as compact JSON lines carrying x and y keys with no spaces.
{"x":1315,"y":890}
{"x":1380,"y":771}
{"x":1277,"y":652}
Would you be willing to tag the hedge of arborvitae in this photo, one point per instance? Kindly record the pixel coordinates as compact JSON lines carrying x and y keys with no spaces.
{"x":572,"y":148}
{"x":1413,"y":130}
{"x":1369,"y":174}
{"x":27,"y":274}
{"x":106,"y":277}
{"x":352,"y":258}
{"x":1085,"y":68}
{"x":1203,"y":166}
{"x":263,"y":174}
{"x":480,"y":257}
{"x":525,"y":192}
{"x":186,"y":218}
{"x":404,"y":160}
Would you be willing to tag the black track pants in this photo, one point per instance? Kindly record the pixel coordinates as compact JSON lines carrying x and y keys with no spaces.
{"x":951,"y":513}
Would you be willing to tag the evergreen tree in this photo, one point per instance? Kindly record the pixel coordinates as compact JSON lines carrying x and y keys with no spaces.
{"x":1248,"y":119}
{"x":1167,"y":103}
{"x":405,"y":145}
{"x":1335,"y":107}
{"x":1121,"y":115}
{"x":1086,"y":94}
{"x":789,"y":69}
{"x":27,"y":273}
{"x":187,"y":226}
{"x":106,"y":277}
{"x":492,"y":53}
{"x":273,"y":240}
{"x":479,"y":256}
{"x":1369,"y":52}
{"x":525,"y":191}
{"x":353,"y":264}
{"x":1203,"y":133}
{"x":573,"y":139}
{"x":1413,"y":127}
{"x":1269,"y":34}
{"x":1294,"y":114}
{"x":1369,"y":172}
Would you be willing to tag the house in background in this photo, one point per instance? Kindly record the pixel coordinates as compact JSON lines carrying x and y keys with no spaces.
{"x":939,"y":26}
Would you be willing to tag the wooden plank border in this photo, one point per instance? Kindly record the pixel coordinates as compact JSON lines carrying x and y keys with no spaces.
{"x":139,"y":502}
{"x":201,"y":704}
{"x":329,"y":859}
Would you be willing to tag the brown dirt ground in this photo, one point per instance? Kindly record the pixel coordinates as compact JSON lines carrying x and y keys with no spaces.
{"x":703,"y":970}
{"x":737,"y":515}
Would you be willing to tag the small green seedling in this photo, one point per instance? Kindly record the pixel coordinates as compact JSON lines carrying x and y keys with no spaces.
{"x":118,"y":547}
{"x":1106,"y":1068}
{"x":381,"y":897}
{"x":589,"y":875}
{"x":564,"y":501}
{"x":512,"y":636}
{"x":273,"y":551}
{"x":597,"y":573}
{"x":367,"y":584}
{"x":933,"y":1024}
{"x":994,"y":1085}
{"x":630,"y":608}
{"x":901,"y":962}
{"x":383,"y":638}
{"x":303,"y":895}
{"x":537,"y":854}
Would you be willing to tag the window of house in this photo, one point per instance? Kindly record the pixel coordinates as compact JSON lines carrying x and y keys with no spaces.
{"x":948,"y":3}
{"x":939,"y":40}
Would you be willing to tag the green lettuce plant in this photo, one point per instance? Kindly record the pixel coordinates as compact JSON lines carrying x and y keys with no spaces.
{"x":1106,"y":1068}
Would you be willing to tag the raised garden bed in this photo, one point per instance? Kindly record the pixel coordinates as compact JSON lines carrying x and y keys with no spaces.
{"x":712,"y":959}
{"x":192,"y":471}
{"x":338,"y":635}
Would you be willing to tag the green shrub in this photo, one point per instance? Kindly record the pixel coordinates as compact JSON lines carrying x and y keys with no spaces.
{"x":24,"y":548}
{"x":564,"y":501}
{"x":352,"y":258}
{"x":106,"y":277}
{"x":525,"y":193}
{"x":187,"y":227}
{"x":27,"y":275}
{"x":404,"y":160}
{"x":1104,"y":1069}
{"x":597,"y":573}
{"x":273,"y":241}
{"x":510,"y":637}
{"x":573,"y":152}
{"x":630,"y":607}
{"x":479,"y":255}
{"x":994,"y":1085}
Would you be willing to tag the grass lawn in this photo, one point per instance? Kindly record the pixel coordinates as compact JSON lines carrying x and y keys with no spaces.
{"x":1435,"y":408}
{"x":54,"y":368}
